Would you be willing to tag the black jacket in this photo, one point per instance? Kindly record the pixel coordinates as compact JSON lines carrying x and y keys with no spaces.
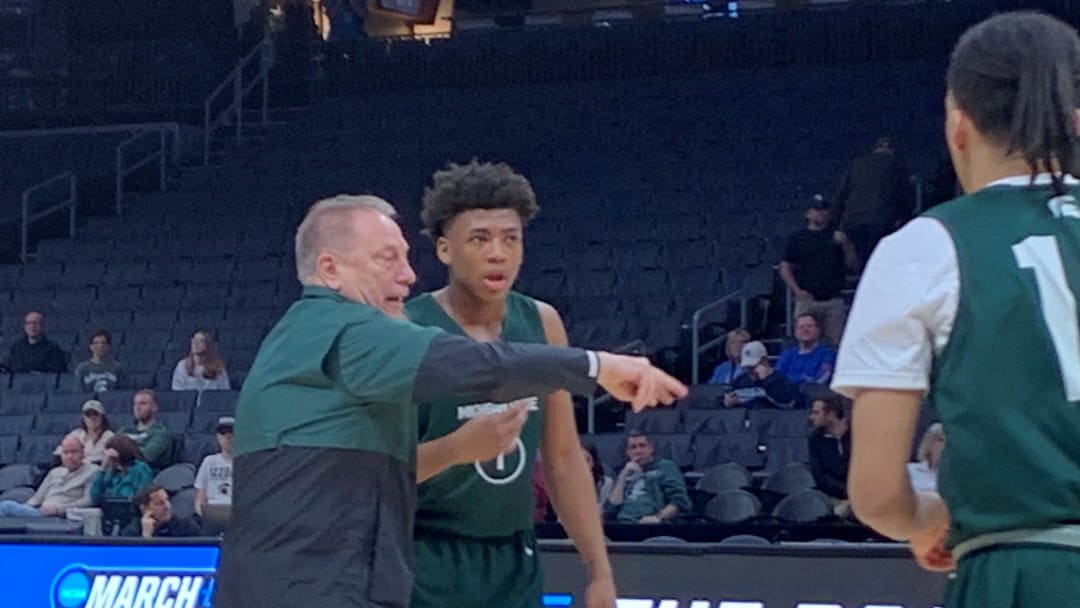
{"x":829,"y":461}
{"x":44,"y":356}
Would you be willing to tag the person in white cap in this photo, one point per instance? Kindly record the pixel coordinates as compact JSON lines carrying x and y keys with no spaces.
{"x":761,"y":387}
{"x":213,"y":482}
{"x":94,"y":430}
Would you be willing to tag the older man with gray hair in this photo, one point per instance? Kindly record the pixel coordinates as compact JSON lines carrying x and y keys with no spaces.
{"x":325,"y":438}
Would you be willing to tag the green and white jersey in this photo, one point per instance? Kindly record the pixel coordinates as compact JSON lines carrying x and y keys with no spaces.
{"x":479,"y":499}
{"x":976,"y":303}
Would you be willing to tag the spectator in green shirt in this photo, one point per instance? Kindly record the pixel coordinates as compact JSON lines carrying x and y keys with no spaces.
{"x":649,"y":490}
{"x":149,"y":434}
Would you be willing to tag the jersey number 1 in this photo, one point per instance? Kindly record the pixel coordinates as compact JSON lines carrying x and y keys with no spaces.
{"x":1041,"y":255}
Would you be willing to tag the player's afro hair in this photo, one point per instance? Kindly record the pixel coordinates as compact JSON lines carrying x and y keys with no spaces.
{"x":475,"y":185}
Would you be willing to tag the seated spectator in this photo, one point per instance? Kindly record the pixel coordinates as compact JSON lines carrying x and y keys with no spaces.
{"x":924,"y":472}
{"x":65,"y":487}
{"x":729,"y":370}
{"x":810,"y":361}
{"x":213,"y":482}
{"x":648,"y":490}
{"x":830,"y":447}
{"x":101,"y":372}
{"x":34,"y":352}
{"x":123,"y":473}
{"x":149,"y":433}
{"x":761,"y":387}
{"x":202,"y":369}
{"x":156,"y":518}
{"x":93,"y":433}
{"x":601,"y":479}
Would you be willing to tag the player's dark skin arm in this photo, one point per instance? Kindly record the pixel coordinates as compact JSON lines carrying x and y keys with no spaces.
{"x":568,"y":480}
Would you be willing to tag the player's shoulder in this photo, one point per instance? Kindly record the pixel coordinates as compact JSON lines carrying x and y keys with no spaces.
{"x":926,"y":236}
{"x":544,"y":309}
{"x":547,"y":315}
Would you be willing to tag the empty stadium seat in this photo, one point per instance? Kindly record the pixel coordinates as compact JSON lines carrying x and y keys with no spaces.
{"x":175,"y":401}
{"x":56,"y":424}
{"x":741,"y":448}
{"x":13,"y":403}
{"x":197,"y":446}
{"x":32,"y":383}
{"x":38,"y":449}
{"x":783,"y":451}
{"x":16,"y":475}
{"x":14,"y":424}
{"x":117,"y":402}
{"x":674,"y":447}
{"x":9,"y":449}
{"x":176,"y":477}
{"x":803,"y":506}
{"x":732,"y":506}
{"x":176,"y":422}
{"x":222,"y":402}
{"x":68,"y":403}
{"x":792,"y":478}
{"x":183,"y":503}
{"x":655,"y":420}
{"x":723,"y":477}
{"x":716,"y":421}
{"x":611,"y":448}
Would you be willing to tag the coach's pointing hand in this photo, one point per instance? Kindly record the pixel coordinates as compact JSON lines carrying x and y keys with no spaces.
{"x":635,"y":380}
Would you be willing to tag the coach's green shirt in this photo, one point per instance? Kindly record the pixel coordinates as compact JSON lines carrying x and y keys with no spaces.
{"x":333,"y":374}
{"x":324,"y":461}
{"x":479,"y":499}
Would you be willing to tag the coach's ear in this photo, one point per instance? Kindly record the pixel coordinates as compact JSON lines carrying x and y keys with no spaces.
{"x":442,"y":249}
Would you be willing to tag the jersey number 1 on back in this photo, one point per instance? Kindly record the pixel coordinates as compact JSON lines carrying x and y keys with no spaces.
{"x":1058,"y":303}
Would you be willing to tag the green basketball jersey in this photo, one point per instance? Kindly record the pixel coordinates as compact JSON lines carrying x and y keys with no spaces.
{"x":481,"y":499}
{"x":1007,"y":384}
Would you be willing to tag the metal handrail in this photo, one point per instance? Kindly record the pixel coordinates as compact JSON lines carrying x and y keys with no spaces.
{"x":161,"y":154}
{"x":28,"y":217}
{"x":263,"y":51}
{"x":695,"y":337}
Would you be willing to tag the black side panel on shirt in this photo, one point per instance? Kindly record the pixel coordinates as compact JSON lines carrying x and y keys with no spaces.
{"x":318,"y":527}
{"x":461,"y":367}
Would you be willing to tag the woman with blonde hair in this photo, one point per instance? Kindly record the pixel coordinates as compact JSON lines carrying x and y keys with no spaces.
{"x":729,"y":370}
{"x":203,"y":369}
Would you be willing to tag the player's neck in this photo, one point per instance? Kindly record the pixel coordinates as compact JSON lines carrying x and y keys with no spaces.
{"x":988,"y":166}
{"x":472,"y":313}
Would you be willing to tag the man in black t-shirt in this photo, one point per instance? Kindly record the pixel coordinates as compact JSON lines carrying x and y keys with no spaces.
{"x":814,"y":267}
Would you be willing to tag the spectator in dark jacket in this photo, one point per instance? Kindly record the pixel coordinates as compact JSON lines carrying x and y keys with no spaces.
{"x":874,"y":198}
{"x":34,"y":352}
{"x":156,"y":519}
{"x":830,"y":446}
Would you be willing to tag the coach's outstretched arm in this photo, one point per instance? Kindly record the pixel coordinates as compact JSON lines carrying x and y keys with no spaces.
{"x":455,"y":366}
